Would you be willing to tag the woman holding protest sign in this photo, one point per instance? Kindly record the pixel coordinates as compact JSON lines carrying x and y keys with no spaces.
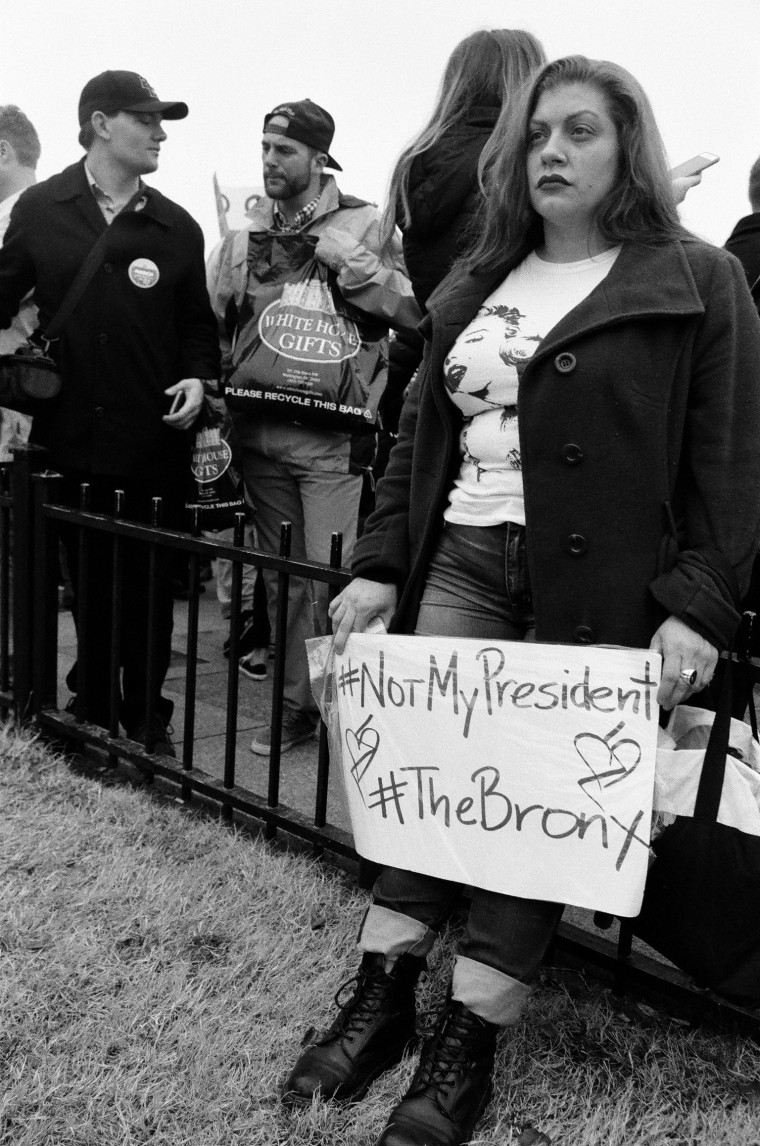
{"x":578,"y":462}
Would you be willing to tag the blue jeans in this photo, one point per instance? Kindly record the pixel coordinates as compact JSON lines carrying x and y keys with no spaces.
{"x":477,"y":586}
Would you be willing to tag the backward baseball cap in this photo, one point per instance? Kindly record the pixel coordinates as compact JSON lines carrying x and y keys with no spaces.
{"x":306,"y":122}
{"x":115,"y":91}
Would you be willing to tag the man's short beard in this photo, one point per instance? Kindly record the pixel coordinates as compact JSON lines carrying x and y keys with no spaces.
{"x":290,"y":187}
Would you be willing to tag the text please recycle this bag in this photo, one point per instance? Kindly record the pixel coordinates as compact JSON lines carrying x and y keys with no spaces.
{"x":522,"y":768}
{"x":301,"y":353}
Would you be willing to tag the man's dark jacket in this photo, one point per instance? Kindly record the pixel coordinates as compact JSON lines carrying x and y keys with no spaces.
{"x":125,"y":343}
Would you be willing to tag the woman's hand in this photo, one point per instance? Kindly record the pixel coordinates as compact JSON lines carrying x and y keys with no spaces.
{"x":684,"y":183}
{"x":187,"y":399}
{"x":361,"y":603}
{"x":682,"y":650}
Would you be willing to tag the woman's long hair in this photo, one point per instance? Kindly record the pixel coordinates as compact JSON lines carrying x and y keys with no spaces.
{"x":485,"y":70}
{"x":640,"y":207}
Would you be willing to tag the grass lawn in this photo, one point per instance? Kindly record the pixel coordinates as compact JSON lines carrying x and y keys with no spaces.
{"x":158,"y":972}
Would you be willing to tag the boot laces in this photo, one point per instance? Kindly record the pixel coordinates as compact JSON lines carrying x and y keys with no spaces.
{"x":449,"y":1051}
{"x":370,"y":990}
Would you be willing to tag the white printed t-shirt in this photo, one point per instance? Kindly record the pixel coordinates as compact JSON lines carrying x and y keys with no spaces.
{"x":482,"y":373}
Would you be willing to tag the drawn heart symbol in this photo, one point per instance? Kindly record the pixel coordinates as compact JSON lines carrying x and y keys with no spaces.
{"x":609,"y":761}
{"x":362,"y":746}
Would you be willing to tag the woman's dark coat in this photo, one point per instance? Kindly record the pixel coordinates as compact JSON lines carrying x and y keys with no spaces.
{"x":443,"y":198}
{"x":640,"y":437}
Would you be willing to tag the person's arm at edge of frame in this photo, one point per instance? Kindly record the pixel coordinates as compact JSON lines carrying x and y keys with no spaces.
{"x":17,"y":270}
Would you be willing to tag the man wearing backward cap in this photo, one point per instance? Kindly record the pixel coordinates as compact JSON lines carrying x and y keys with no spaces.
{"x":132,"y":355}
{"x":307,"y":474}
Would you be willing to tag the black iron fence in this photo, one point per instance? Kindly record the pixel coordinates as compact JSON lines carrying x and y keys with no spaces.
{"x":31,"y":515}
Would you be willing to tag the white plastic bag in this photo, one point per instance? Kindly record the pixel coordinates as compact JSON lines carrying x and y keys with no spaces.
{"x":680,"y":753}
{"x":319,"y":652}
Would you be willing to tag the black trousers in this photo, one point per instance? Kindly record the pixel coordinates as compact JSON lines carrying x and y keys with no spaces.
{"x":93,"y":678}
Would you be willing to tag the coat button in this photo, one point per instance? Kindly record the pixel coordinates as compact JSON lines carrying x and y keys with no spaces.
{"x":102,"y":339}
{"x":583,"y":634}
{"x":572,"y":454}
{"x":565,"y":363}
{"x":99,"y":412}
{"x":108,"y":268}
{"x":577,"y":544}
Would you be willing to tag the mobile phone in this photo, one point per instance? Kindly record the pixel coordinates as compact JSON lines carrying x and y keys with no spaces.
{"x":694,"y":165}
{"x":176,"y":402}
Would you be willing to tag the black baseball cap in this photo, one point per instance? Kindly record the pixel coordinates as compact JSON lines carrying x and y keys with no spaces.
{"x":306,"y":122}
{"x":111,"y":92}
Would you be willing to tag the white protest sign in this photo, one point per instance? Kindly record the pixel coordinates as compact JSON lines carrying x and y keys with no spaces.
{"x":522,"y":768}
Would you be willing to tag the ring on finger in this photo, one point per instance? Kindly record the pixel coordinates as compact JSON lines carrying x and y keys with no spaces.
{"x":688,"y":676}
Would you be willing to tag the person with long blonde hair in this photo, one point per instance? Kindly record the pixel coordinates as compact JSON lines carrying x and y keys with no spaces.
{"x":433,"y":192}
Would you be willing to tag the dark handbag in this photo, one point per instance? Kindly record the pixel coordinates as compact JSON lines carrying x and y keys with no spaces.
{"x":30,"y":377}
{"x":701,"y":904}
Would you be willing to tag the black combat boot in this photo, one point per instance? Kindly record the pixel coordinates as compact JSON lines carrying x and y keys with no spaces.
{"x":451,"y":1087}
{"x":368,"y":1036}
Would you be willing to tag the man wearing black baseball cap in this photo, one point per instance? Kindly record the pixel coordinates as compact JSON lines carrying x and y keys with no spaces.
{"x":307,"y":122}
{"x":296,"y":471}
{"x":132,"y":353}
{"x":111,"y":92}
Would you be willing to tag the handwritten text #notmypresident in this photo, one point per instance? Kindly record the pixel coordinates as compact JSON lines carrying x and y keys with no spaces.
{"x":493,"y":692}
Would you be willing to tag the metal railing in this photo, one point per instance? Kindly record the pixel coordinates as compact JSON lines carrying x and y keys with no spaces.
{"x":32,"y":501}
{"x":30,"y":518}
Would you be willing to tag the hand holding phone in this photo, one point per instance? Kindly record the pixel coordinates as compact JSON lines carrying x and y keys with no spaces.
{"x":694,"y":166}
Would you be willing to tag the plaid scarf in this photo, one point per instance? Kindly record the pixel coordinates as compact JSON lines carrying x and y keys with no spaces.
{"x":304,"y":216}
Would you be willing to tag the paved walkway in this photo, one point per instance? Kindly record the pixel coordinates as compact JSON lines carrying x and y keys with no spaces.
{"x":298,"y":766}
